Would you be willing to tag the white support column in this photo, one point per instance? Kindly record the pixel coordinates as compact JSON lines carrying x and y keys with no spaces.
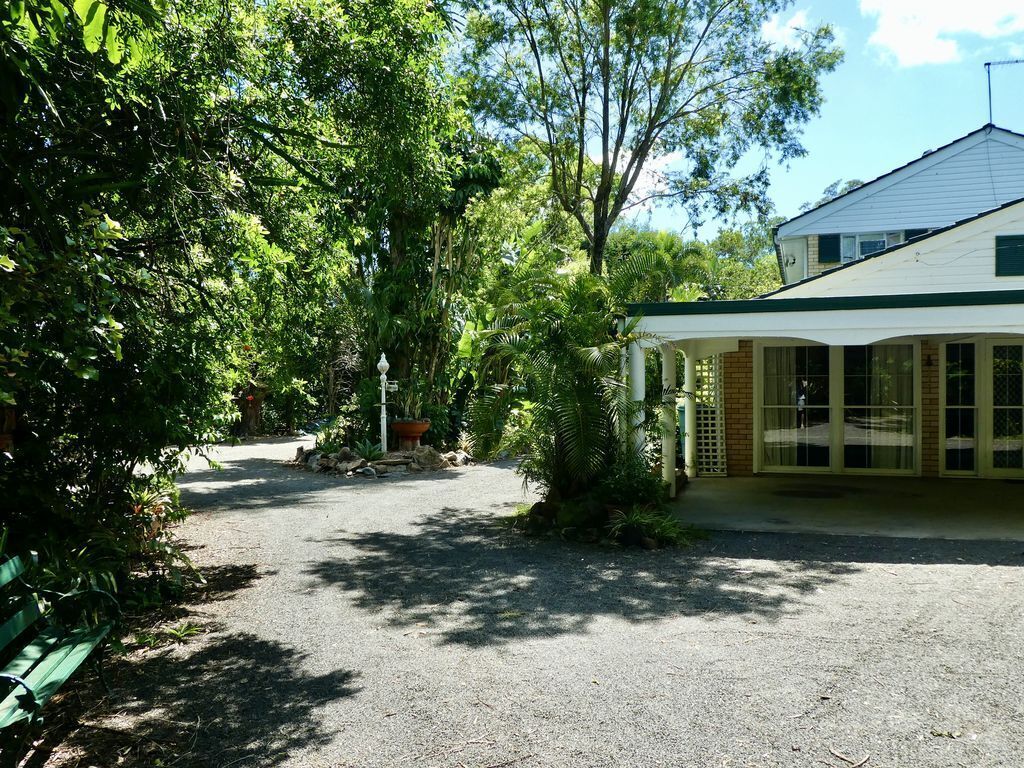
{"x":637,"y":375}
{"x":690,"y":422}
{"x":669,"y":416}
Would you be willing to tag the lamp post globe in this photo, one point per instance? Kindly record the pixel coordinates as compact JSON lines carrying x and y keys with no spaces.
{"x":382,"y":365}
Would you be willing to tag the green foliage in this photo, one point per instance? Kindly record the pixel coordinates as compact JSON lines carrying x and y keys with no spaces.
{"x":831,"y":192}
{"x":643,"y":525}
{"x":182,"y":632}
{"x":552,"y":349}
{"x":335,"y":434}
{"x":370,"y":451}
{"x":630,"y":82}
{"x":185,"y":188}
{"x":646,"y":265}
{"x":629,"y":481}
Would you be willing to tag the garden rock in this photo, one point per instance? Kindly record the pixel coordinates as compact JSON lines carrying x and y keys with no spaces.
{"x":414,"y":467}
{"x":345,"y":453}
{"x":544,"y":510}
{"x":313,"y":460}
{"x":395,"y":459}
{"x":428,"y":457}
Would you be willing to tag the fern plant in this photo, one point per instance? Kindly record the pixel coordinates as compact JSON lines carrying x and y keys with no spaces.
{"x":553,"y":349}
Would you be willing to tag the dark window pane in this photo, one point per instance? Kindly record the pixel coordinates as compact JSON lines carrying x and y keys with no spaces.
{"x":868,"y":247}
{"x":960,"y":374}
{"x":960,"y":439}
{"x":960,"y":459}
{"x":1007,"y":375}
{"x":879,"y":438}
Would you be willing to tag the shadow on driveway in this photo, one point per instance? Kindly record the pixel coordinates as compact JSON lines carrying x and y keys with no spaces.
{"x":470,"y":580}
{"x":223,"y":699}
{"x":476,"y":582}
{"x":254,"y":483}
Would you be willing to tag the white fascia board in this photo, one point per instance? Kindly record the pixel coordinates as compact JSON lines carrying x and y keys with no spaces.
{"x":836,"y":327}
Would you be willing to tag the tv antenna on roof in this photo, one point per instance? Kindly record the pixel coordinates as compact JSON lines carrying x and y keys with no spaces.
{"x":988,"y":75}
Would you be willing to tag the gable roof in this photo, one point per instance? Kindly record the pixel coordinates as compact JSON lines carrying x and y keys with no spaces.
{"x":804,"y":220}
{"x":893,"y":248}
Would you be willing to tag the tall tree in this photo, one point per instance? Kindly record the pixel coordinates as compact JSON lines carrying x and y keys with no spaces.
{"x":637,"y":100}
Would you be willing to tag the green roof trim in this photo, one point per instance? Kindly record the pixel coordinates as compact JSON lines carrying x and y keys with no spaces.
{"x":828,"y":303}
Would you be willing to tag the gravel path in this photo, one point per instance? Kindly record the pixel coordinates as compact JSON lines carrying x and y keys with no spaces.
{"x":397,"y":622}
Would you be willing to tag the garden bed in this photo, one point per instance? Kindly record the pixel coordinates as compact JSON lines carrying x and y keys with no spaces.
{"x":345,"y":462}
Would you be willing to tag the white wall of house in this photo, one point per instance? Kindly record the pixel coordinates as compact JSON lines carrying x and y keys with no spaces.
{"x":958,"y":260}
{"x":976,"y":173}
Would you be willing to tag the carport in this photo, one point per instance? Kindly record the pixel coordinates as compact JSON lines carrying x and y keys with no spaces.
{"x":902,"y":421}
{"x":905,"y":507}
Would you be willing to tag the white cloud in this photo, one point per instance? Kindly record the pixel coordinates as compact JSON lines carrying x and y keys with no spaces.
{"x":787,"y":33}
{"x":915,"y":32}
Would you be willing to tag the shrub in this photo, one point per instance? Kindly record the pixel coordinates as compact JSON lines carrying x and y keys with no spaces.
{"x":364,"y":449}
{"x":647,"y":525}
{"x":629,"y":482}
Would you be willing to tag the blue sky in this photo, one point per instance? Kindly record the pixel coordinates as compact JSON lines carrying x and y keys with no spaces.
{"x":913,"y":79}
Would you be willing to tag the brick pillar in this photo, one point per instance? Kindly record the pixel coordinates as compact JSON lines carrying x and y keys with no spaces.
{"x":738,"y":391}
{"x":813,"y":267}
{"x":929,"y":408}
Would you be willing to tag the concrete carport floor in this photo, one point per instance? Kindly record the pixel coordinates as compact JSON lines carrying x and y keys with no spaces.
{"x":907,"y":507}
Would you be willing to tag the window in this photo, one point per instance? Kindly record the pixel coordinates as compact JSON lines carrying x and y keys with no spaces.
{"x":878,"y":407}
{"x":795,"y":416}
{"x":1009,"y":255}
{"x":856,"y":247}
{"x":961,"y":428}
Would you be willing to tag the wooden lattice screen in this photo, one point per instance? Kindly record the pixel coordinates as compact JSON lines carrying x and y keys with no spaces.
{"x":710,"y":417}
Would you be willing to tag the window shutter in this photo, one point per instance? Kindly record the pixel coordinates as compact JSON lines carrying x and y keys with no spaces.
{"x":1009,"y":255}
{"x":828,"y":249}
{"x":912,"y":233}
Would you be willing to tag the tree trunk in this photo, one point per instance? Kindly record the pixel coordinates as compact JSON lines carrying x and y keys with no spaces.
{"x":597,"y":246}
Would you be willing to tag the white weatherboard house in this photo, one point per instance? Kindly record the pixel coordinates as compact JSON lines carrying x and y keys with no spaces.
{"x":896,"y":346}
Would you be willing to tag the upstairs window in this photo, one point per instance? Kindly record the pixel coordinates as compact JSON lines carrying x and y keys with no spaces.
{"x":1009,"y":255}
{"x":856,"y":247}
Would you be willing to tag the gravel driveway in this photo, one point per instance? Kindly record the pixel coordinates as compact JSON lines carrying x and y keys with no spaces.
{"x":397,"y":622}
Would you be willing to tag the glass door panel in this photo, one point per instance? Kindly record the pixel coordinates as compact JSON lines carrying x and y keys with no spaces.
{"x":960,"y":409}
{"x":1008,"y":406}
{"x":795,"y":412}
{"x":879,"y":407}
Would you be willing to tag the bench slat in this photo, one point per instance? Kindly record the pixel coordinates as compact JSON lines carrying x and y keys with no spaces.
{"x":51,"y":672}
{"x":33,"y":653}
{"x":11,"y":570}
{"x":19,"y":622}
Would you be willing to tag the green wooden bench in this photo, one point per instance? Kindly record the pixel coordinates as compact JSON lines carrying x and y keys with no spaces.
{"x":38,"y":654}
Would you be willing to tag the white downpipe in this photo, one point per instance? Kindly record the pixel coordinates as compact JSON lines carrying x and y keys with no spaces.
{"x":690,"y":422}
{"x":669,"y":415}
{"x":636,"y":391}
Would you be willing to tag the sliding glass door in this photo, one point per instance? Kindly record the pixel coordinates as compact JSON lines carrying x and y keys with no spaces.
{"x":838,"y":408}
{"x":795,"y":408}
{"x":879,"y":407}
